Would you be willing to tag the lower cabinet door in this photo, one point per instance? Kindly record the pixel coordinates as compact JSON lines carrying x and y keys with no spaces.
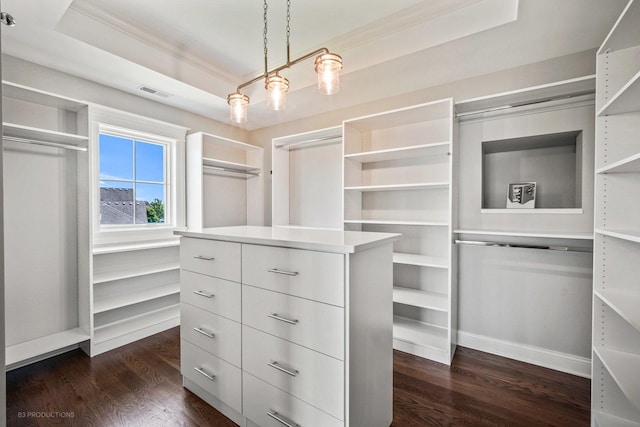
{"x":214,"y":375}
{"x":308,"y":375}
{"x":268,"y":406}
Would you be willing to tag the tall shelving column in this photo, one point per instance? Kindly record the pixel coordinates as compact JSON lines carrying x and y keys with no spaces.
{"x":615,"y":397}
{"x":398,"y":177}
{"x":224,"y":182}
{"x":47,"y":236}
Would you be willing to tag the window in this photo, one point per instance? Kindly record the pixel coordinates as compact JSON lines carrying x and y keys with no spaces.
{"x":133,"y":180}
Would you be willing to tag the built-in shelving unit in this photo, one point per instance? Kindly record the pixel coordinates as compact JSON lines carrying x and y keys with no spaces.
{"x":307,"y":179}
{"x":223,"y":169}
{"x":46,"y":257}
{"x":615,"y":397}
{"x":398,"y":177}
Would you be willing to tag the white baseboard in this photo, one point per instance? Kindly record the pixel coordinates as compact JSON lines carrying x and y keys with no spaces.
{"x":539,"y":356}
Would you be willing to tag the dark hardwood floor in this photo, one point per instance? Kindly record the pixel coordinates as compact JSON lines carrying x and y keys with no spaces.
{"x":140,"y":385}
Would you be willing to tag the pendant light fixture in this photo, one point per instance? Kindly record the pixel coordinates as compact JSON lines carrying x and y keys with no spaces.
{"x":327,"y":65}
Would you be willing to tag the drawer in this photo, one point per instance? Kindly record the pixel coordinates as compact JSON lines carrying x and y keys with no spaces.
{"x":309,"y":323}
{"x":217,"y":377}
{"x":212,"y":257}
{"x":313,"y":275}
{"x":306,"y":374}
{"x":260,"y":399}
{"x":215,"y":334}
{"x":218,"y":296}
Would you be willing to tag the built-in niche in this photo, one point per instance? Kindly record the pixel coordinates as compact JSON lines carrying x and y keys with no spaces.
{"x":553,"y":162}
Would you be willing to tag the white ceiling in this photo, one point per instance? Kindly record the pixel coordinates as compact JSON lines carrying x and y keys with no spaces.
{"x":198,"y":51}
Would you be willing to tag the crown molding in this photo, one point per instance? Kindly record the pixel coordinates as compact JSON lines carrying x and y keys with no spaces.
{"x":99,"y":14}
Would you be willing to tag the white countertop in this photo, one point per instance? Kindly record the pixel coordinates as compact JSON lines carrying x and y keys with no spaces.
{"x":299,"y":238}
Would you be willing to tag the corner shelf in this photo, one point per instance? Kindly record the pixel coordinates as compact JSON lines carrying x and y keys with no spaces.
{"x":630,"y":235}
{"x":629,"y":164}
{"x":625,"y":304}
{"x":41,"y":346}
{"x":626,"y":100}
{"x":623,"y":368}
{"x":118,"y":329}
{"x":605,"y":419}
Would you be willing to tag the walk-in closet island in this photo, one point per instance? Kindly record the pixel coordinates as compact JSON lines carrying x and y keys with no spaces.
{"x":289,"y":326}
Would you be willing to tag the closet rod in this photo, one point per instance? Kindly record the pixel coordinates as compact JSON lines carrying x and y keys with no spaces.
{"x":309,"y":141}
{"x":525,"y":246}
{"x":45,"y":143}
{"x":524,"y":103}
{"x":218,"y":168}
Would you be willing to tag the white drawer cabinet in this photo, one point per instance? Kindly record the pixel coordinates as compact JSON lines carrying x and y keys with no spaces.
{"x":218,"y":296}
{"x":317,"y":276}
{"x":309,"y":323}
{"x":215,"y":334}
{"x":267,"y":406}
{"x":312,"y":313}
{"x":217,"y":259}
{"x":219,"y":378}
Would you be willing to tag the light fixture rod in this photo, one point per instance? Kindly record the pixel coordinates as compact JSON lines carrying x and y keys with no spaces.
{"x":289,"y":64}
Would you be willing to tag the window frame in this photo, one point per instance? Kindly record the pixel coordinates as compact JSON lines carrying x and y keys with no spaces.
{"x":122,"y":124}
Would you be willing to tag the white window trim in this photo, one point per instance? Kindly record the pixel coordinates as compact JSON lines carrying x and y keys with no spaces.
{"x":112,"y":121}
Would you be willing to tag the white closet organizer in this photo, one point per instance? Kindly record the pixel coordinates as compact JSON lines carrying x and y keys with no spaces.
{"x":136,"y":292}
{"x":616,"y":316}
{"x":307,"y":179}
{"x":398,"y":177}
{"x":47,"y":236}
{"x":224,"y":182}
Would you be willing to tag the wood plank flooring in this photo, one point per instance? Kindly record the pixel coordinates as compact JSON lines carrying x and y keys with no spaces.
{"x":140,"y":385}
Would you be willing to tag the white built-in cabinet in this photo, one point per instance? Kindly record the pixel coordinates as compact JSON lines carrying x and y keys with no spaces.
{"x":398,"y":177}
{"x":224,"y":182}
{"x":307,"y":179}
{"x":47,"y":225}
{"x":616,"y":288}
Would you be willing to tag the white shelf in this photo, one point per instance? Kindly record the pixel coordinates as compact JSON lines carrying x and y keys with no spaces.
{"x":128,"y":247}
{"x":604,"y":419}
{"x":420,"y":260}
{"x":216,"y":163}
{"x":435,"y":149}
{"x":120,"y":301}
{"x":624,"y":368}
{"x":630,"y":235}
{"x":396,"y":222}
{"x":625,"y":32}
{"x":33,"y":133}
{"x":572,"y":87}
{"x":535,"y":211}
{"x":546,"y":235}
{"x":132,"y":324}
{"x":629,"y":164}
{"x":419,"y":333}
{"x":419,"y":298}
{"x":399,"y":187}
{"x":626,"y":100}
{"x":41,"y":346}
{"x":135,"y":272}
{"x":626,"y":304}
{"x":36,"y":96}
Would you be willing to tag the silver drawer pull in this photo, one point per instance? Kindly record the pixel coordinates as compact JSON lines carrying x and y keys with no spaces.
{"x":282,"y":420}
{"x":205,"y":374}
{"x":203,"y":294}
{"x":203,"y":332}
{"x":288,"y":273}
{"x":282,"y":319}
{"x":204,"y":258}
{"x":277,"y":366}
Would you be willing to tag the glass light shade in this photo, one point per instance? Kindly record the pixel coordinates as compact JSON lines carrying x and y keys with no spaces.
{"x":277,"y":87}
{"x":238,"y":104}
{"x":328,"y":67}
